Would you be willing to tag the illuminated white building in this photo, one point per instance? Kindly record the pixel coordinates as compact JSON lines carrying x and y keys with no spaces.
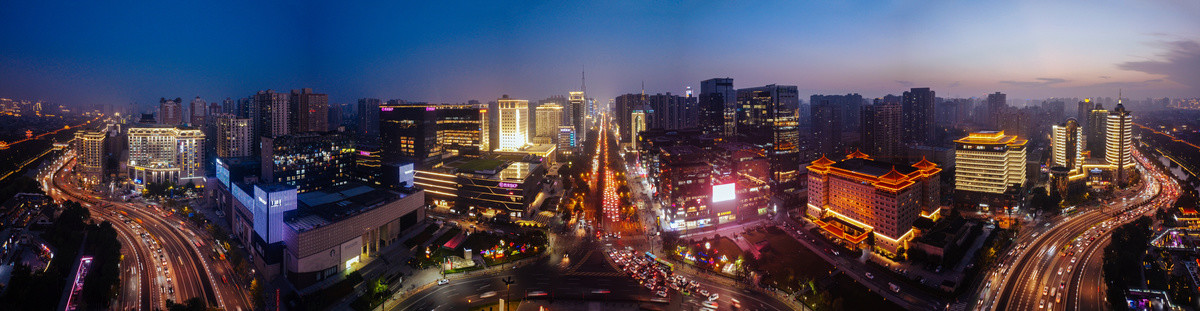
{"x":166,"y":154}
{"x":1118,"y":141}
{"x":234,"y":137}
{"x":549,"y":118}
{"x":1067,"y":146}
{"x":514,"y":123}
{"x":989,"y":170}
{"x":89,"y":149}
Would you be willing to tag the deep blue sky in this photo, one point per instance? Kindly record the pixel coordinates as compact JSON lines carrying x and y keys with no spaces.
{"x":94,"y":52}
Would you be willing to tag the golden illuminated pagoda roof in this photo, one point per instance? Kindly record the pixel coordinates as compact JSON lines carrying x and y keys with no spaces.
{"x":823,"y":161}
{"x":925,"y":165}
{"x":858,"y":155}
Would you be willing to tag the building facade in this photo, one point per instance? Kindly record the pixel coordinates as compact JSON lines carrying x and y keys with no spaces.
{"x":859,"y":198}
{"x":170,"y":112}
{"x":514,"y":130}
{"x":234,"y":136}
{"x":768,"y":117}
{"x":918,"y":117}
{"x":91,"y":154}
{"x":1118,"y":143}
{"x":308,"y":111}
{"x":1067,"y":146}
{"x":989,"y":170}
{"x":549,"y":118}
{"x":308,"y":161}
{"x":166,"y":155}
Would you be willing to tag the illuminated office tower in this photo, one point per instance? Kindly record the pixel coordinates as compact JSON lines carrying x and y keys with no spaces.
{"x":1118,"y":141}
{"x":460,"y":128}
{"x":1067,"y":143}
{"x":566,"y":140}
{"x":637,"y":123}
{"x":514,"y":128}
{"x":578,"y":110}
{"x":989,"y":169}
{"x":308,"y":161}
{"x":549,"y":117}
{"x":858,"y":197}
{"x":718,"y":106}
{"x":768,"y":117}
{"x":166,"y":155}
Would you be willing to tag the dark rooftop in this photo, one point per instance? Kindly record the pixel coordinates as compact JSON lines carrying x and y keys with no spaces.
{"x":320,"y":208}
{"x":873,"y":167}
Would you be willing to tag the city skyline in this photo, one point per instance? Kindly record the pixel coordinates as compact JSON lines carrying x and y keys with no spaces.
{"x":96,"y":54}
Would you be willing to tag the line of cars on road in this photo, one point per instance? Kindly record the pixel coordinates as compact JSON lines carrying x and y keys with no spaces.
{"x":657,"y":276}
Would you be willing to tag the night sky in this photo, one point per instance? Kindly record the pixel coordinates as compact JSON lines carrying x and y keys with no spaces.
{"x":94,"y":52}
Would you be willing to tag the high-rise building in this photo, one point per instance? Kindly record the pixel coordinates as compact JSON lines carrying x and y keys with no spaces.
{"x":996,"y":104}
{"x":368,"y":117}
{"x":514,"y":132}
{"x":214,"y":108}
{"x":637,"y":123}
{"x":685,"y":185}
{"x":1067,"y":142}
{"x":90,"y":152}
{"x":623,"y":107}
{"x":197,"y":111}
{"x":460,"y":128}
{"x":229,"y":106}
{"x":881,"y":130}
{"x":859,"y":197}
{"x":989,"y":170}
{"x":566,"y":140}
{"x":718,"y":106}
{"x":166,"y":155}
{"x":272,"y":113}
{"x":233,"y":136}
{"x":308,"y":161}
{"x":308,"y":111}
{"x":768,"y":117}
{"x":1118,"y":142}
{"x":578,"y":111}
{"x":549,"y":118}
{"x":170,"y":112}
{"x":1097,"y":128}
{"x":829,"y":117}
{"x":918,"y":117}
{"x":408,"y":133}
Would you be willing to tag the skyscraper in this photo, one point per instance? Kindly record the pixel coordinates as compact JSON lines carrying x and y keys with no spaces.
{"x":996,"y":104}
{"x":768,"y":117}
{"x":368,"y":117}
{"x":233,"y":136}
{"x":197,"y":111}
{"x":826,"y":124}
{"x":989,"y":169}
{"x":272,"y":113}
{"x":1097,"y":129}
{"x":578,"y":110}
{"x":918,"y":113}
{"x":623,"y":107}
{"x":549,"y":118}
{"x":718,"y":106}
{"x":460,"y":128}
{"x":408,"y":133}
{"x":1119,"y":140}
{"x":514,"y":132}
{"x":308,"y":111}
{"x":1067,"y":142}
{"x":637,"y":124}
{"x":881,"y":129}
{"x":170,"y":112}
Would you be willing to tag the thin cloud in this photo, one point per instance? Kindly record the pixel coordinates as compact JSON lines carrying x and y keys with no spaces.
{"x":954,"y":84}
{"x":1105,"y":77}
{"x":1178,"y":64}
{"x":905,"y":83}
{"x":1128,"y":84}
{"x":1041,"y":82}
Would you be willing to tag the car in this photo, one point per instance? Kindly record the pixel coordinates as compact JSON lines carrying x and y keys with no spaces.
{"x":537,"y":293}
{"x":713,"y":297}
{"x":487,"y":295}
{"x":661,"y":294}
{"x":600,"y":291}
{"x":709,"y":304}
{"x":894,"y":287}
{"x":870,"y":276}
{"x":443,"y":281}
{"x":703,"y":292}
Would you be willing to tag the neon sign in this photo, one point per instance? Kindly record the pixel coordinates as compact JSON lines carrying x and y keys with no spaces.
{"x":507,"y":185}
{"x":385,"y":109}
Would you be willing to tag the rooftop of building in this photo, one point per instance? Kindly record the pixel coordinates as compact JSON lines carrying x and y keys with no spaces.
{"x":495,"y":166}
{"x":321,"y":208}
{"x":872,"y":167}
{"x":991,"y":137}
